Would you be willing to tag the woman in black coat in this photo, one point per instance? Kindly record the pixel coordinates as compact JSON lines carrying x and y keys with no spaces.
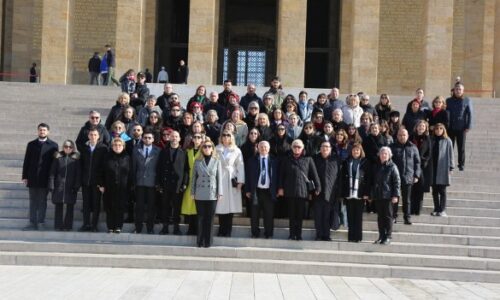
{"x":64,"y":183}
{"x":438,"y":114}
{"x":296,"y":171}
{"x":310,"y":140}
{"x":355,"y":190}
{"x":386,"y":187}
{"x":114,"y":182}
{"x":412,"y":117}
{"x":422,"y":140}
{"x":281,"y":146}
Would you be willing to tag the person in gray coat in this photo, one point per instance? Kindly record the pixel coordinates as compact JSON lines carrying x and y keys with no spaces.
{"x":407,"y":159}
{"x":441,"y":166}
{"x":64,"y":183}
{"x":144,"y":165}
{"x":206,"y":189}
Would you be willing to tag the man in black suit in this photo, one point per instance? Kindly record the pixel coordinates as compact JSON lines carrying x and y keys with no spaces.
{"x":36,"y":167}
{"x":92,"y":156}
{"x":173,"y":172}
{"x":261,"y":188}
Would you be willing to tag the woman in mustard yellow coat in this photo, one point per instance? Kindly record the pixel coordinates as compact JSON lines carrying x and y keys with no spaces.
{"x":188,"y":208}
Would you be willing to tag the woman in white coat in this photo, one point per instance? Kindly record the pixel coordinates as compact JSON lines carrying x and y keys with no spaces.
{"x":352,"y":111}
{"x":233,"y":177}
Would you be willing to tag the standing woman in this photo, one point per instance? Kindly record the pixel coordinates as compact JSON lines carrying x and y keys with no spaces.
{"x":383,"y":108}
{"x":233,"y":177}
{"x":386,"y":192}
{"x":188,"y":207}
{"x":207,"y":189}
{"x":438,"y":113}
{"x":441,"y":166}
{"x":422,"y":140}
{"x":296,"y":173}
{"x":310,"y":140}
{"x":64,"y":183}
{"x":355,"y":191}
{"x":114,"y":182}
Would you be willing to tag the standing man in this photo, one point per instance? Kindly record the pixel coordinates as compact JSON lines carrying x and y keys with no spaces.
{"x":224,"y":95}
{"x":162,"y":75}
{"x":149,"y":76}
{"x":262,"y":189}
{"x":36,"y":168}
{"x":173,"y":172}
{"x":111,"y":62}
{"x":249,"y":97}
{"x":144,"y":165}
{"x":182,"y":72}
{"x":460,"y":109}
{"x":334,"y":102}
{"x":164,"y":100}
{"x":406,"y":157}
{"x":93,"y":122}
{"x":33,"y":73}
{"x":92,"y":154}
{"x":94,"y":68}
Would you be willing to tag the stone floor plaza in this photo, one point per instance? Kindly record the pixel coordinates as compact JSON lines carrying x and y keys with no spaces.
{"x":31,"y":282}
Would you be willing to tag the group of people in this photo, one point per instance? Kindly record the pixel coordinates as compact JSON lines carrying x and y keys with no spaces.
{"x":155,"y":160}
{"x":102,"y":70}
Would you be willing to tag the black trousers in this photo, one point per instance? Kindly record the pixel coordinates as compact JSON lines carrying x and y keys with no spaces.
{"x":131,"y":207}
{"x":384,"y":218}
{"x":173,"y":200}
{"x":192,"y":221}
{"x":91,"y":205}
{"x":322,"y":218}
{"x":225,"y":225}
{"x":115,"y":209}
{"x":68,"y":217}
{"x":266,"y":206}
{"x":281,"y":208}
{"x":38,"y":205}
{"x":206,"y":212}
{"x":296,"y":215}
{"x":145,"y":202}
{"x":439,"y":197}
{"x":459,"y":137}
{"x":355,"y":209}
{"x":417,"y":197}
{"x":405,"y":200}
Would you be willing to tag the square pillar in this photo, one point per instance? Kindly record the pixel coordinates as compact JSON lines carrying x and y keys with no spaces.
{"x":130,"y":37}
{"x":437,"y":47}
{"x":55,"y":41}
{"x":203,"y":41}
{"x":291,"y":44}
{"x":365,"y":21}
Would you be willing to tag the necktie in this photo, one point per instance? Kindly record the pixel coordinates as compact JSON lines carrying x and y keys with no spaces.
{"x":263,"y":171}
{"x":147,"y":152}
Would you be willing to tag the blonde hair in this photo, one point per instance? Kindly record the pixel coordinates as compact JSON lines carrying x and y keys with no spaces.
{"x":233,"y":140}
{"x":214,"y":153}
{"x":117,"y":123}
{"x":124,"y":96}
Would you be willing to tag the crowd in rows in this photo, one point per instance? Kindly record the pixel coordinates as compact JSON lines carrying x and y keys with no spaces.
{"x":277,"y":156}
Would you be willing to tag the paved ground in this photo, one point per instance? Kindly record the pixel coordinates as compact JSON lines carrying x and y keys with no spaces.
{"x":27,"y":282}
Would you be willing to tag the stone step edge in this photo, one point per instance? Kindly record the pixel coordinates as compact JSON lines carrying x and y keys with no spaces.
{"x":238,"y":242}
{"x":245,"y":265}
{"x":311,"y":255}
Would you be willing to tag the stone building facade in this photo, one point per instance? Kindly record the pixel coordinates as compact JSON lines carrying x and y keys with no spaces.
{"x":375,"y":46}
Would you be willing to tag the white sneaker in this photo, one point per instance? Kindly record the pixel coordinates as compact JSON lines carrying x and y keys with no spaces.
{"x":443,"y":214}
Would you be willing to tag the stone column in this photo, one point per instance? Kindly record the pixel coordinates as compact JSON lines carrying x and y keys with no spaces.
{"x":149,"y":44}
{"x":365,"y":21}
{"x":496,"y":67}
{"x":203,"y":41}
{"x":55,"y":41}
{"x":437,"y":47}
{"x":291,"y":44}
{"x":130,"y":19}
{"x":479,"y":46}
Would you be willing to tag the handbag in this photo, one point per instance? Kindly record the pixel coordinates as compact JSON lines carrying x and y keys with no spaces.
{"x":234,"y":182}
{"x":311,"y":187}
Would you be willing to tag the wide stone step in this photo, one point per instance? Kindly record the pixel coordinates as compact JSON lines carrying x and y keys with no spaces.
{"x":244,"y":265}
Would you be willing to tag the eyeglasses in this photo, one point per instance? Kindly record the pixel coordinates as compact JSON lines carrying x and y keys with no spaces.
{"x":67,"y":147}
{"x":253,"y":108}
{"x":207,"y":146}
{"x":281,"y":129}
{"x":226,"y":135}
{"x":95,"y":118}
{"x":196,"y":137}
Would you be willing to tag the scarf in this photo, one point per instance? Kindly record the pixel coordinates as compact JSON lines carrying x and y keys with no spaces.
{"x":353,"y":179}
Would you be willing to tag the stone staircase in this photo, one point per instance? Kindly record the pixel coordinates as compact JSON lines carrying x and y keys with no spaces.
{"x":464,"y":246}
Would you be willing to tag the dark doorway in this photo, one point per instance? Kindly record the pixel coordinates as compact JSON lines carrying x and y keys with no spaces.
{"x":322,"y":65}
{"x":172,"y":35}
{"x":247,"y":44}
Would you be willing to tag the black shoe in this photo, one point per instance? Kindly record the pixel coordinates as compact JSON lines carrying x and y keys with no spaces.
{"x":318,"y":238}
{"x":118,"y":230}
{"x":84,"y":228}
{"x":255,"y":236}
{"x":137,"y":231}
{"x":151,"y":231}
{"x":386,"y":242}
{"x":326,"y":239}
{"x":268,"y":237}
{"x":94,"y":229}
{"x":298,"y":238}
{"x":395,"y":220}
{"x":407,"y":222}
{"x":164,"y":230}
{"x":460,"y":168}
{"x":291,"y":237}
{"x":177,"y":230}
{"x":198,"y":245}
{"x":379,"y":241}
{"x":59,"y":229}
{"x":110,"y":230}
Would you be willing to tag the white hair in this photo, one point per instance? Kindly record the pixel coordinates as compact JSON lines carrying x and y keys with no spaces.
{"x":385,"y":148}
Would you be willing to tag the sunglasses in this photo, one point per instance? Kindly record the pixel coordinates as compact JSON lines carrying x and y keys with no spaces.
{"x":95,"y":118}
{"x":67,"y":147}
{"x":207,"y":146}
{"x":226,"y":135}
{"x":281,"y":129}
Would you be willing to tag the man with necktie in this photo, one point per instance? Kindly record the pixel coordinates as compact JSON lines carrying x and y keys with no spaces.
{"x":261,"y":188}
